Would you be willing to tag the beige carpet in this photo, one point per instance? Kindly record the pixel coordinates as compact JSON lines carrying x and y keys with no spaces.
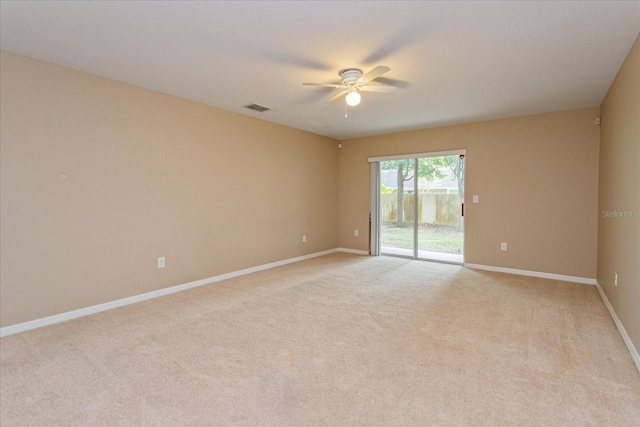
{"x":333,"y":341}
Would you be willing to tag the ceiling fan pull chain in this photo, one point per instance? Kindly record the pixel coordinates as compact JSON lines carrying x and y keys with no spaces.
{"x":346,"y":107}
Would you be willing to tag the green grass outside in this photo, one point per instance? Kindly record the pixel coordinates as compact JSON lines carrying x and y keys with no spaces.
{"x":435,"y":238}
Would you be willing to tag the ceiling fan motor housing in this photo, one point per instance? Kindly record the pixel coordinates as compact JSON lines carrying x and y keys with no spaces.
{"x":350,"y":76}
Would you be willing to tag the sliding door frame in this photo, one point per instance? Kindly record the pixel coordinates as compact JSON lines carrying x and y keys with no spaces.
{"x":374,"y":180}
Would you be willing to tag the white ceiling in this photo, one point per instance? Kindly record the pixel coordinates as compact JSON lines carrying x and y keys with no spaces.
{"x":453,"y":62}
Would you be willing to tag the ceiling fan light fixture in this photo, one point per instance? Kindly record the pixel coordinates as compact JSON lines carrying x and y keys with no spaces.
{"x":353,"y":98}
{"x":353,"y":81}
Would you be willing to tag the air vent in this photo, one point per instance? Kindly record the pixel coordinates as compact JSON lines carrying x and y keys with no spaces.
{"x":258,"y":107}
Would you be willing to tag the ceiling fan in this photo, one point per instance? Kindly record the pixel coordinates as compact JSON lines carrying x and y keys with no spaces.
{"x":354,"y":82}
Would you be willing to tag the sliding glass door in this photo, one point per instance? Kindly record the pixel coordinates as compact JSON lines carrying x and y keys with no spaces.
{"x":420,"y":207}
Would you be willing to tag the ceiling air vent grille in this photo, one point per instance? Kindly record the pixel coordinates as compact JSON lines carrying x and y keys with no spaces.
{"x":258,"y":107}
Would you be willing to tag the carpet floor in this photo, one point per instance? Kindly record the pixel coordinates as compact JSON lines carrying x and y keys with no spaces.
{"x":337,"y":340}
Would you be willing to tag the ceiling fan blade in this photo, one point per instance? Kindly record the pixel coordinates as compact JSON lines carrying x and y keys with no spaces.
{"x":374,"y":74}
{"x":323,"y":85}
{"x":376,"y":88}
{"x":343,"y":93}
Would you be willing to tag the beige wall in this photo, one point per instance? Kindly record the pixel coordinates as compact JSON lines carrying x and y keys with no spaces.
{"x":147,"y":175}
{"x":536,"y":178}
{"x":619,"y":192}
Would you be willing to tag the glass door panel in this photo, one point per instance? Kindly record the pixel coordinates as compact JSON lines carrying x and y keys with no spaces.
{"x":397,"y":204}
{"x":440,"y":194}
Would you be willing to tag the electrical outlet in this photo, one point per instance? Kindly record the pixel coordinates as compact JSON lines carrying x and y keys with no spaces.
{"x":355,"y":233}
{"x":475,"y":198}
{"x":304,"y":238}
{"x":615,"y":280}
{"x":161,"y":262}
{"x":503,"y":246}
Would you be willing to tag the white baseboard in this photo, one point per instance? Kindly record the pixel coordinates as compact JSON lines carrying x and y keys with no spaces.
{"x":625,"y":337}
{"x":57,"y":318}
{"x":353,"y":251}
{"x":574,"y":279}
